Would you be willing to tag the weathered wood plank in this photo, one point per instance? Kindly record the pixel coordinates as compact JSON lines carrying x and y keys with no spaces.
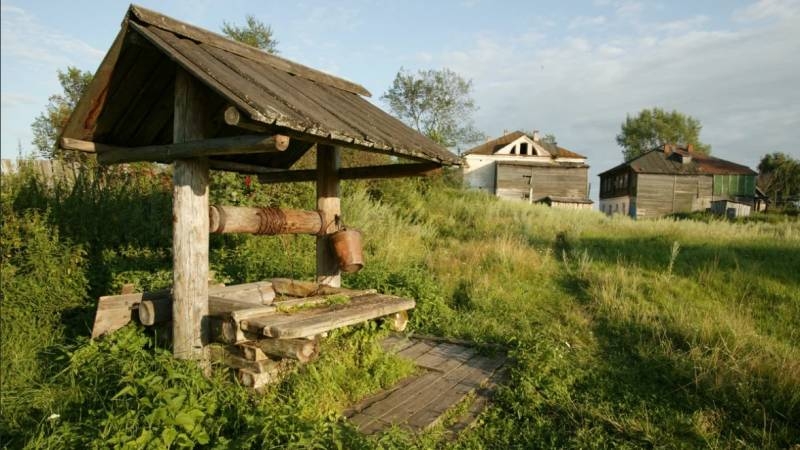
{"x":157,"y":38}
{"x":116,"y":311}
{"x":319,"y":320}
{"x":198,"y":34}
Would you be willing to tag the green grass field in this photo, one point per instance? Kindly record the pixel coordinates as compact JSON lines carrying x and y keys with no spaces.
{"x":675,"y":334}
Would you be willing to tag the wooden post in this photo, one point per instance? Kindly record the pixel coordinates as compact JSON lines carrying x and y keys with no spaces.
{"x":190,"y":327}
{"x":329,"y":206}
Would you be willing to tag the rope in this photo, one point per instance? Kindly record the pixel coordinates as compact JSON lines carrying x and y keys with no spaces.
{"x":273,"y":221}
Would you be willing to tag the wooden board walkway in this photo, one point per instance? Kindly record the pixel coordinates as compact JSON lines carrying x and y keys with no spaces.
{"x":449,"y":372}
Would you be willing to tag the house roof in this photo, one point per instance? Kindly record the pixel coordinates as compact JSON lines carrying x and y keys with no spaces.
{"x":129,"y":101}
{"x":658,"y":162}
{"x":491,"y":147}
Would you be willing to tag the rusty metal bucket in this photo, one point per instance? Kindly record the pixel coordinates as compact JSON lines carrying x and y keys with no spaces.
{"x":347,"y":246}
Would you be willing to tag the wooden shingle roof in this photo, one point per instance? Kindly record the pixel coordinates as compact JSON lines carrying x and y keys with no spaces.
{"x":129,"y":102}
{"x":658,"y":162}
{"x":491,"y":147}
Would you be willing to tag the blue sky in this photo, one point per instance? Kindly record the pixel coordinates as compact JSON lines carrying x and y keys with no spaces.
{"x":574,"y":69}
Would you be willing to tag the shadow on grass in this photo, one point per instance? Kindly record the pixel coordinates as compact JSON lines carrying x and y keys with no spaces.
{"x":649,"y":369}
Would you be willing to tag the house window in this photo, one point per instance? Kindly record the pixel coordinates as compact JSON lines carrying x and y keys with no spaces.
{"x":523,"y":148}
{"x":513,"y":150}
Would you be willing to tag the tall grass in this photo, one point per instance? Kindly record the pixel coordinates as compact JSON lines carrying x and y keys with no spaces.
{"x":667,"y":333}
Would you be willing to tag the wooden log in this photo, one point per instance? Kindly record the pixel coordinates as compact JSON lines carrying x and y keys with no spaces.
{"x":233,"y":166}
{"x":269,"y":221}
{"x":256,"y":380}
{"x":355,"y":173}
{"x":231,"y":357}
{"x":235,"y":118}
{"x":329,"y":206}
{"x":245,"y":144}
{"x":190,"y":327}
{"x":252,"y":352}
{"x":303,"y":350}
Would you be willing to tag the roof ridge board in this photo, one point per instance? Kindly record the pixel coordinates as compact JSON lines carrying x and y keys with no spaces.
{"x":156,"y":19}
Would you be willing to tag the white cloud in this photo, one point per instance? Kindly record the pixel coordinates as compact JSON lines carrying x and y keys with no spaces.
{"x":11,"y":100}
{"x":586,"y":22}
{"x":740,"y":83}
{"x":24,"y":37}
{"x":769,"y":9}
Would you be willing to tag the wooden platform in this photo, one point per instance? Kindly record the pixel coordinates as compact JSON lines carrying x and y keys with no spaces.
{"x":315,"y":321}
{"x":449,"y":373}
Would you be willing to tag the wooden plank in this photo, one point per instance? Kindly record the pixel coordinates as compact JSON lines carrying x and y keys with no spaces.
{"x":192,"y":149}
{"x":157,"y":39}
{"x":83,"y":118}
{"x":415,"y":351}
{"x":135,"y":112}
{"x":320,"y":320}
{"x":285,"y":97}
{"x":444,"y":357}
{"x":201,"y":35}
{"x":190,"y":328}
{"x":395,"y":343}
{"x":116,"y":311}
{"x":329,"y":207}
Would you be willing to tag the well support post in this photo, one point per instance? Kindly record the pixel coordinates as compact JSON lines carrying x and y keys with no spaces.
{"x":329,"y":205}
{"x":190,"y":327}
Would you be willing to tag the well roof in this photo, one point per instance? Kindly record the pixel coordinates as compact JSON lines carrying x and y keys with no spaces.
{"x":130,"y":100}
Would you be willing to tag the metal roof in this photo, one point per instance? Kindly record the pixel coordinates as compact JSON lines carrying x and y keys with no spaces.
{"x":129,"y":102}
{"x":491,"y":147}
{"x":670,"y":163}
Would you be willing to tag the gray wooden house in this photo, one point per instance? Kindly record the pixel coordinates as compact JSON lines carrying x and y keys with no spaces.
{"x":520,"y":167}
{"x":673,"y":179}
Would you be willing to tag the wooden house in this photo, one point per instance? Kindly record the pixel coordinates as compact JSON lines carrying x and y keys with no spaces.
{"x":673,"y":179}
{"x":174,"y":93}
{"x":524,"y":168}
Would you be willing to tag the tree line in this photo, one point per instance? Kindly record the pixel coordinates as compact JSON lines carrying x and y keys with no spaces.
{"x":440,"y":105}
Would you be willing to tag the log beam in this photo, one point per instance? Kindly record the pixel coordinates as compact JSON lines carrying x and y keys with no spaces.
{"x":355,"y":173}
{"x":269,"y":221}
{"x":198,"y":147}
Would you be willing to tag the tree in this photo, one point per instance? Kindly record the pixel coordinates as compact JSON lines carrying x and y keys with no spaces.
{"x":48,"y":125}
{"x":438,"y":103}
{"x":255,"y":33}
{"x":653,"y":128}
{"x":779,"y":177}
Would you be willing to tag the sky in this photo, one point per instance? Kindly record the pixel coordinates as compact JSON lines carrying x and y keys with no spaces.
{"x":575,"y":69}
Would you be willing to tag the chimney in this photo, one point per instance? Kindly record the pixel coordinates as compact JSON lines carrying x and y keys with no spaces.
{"x":689,"y":148}
{"x":667,"y":149}
{"x":535,"y":136}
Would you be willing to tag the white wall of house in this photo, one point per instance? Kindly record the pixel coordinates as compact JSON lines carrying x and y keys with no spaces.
{"x":617,"y":205}
{"x":479,"y":170}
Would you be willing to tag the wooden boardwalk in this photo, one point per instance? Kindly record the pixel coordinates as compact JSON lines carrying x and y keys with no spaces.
{"x":449,"y":372}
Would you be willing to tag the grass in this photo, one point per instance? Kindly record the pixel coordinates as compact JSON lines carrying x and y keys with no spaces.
{"x":664,"y":333}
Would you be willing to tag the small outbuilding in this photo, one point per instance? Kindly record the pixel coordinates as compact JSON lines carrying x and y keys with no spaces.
{"x":730,"y":208}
